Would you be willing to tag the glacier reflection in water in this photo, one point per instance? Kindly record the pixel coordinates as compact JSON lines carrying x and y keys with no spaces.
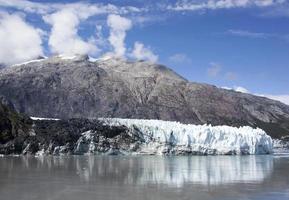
{"x":206,"y":171}
{"x":144,"y":177}
{"x":172,"y":171}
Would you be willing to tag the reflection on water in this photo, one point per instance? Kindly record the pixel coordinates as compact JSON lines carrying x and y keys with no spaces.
{"x":174,"y":171}
{"x":64,"y":177}
{"x":206,"y":171}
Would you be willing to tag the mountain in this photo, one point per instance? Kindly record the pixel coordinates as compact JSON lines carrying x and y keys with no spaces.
{"x":76,"y":87}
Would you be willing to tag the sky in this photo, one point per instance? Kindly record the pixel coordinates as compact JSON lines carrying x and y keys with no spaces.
{"x":234,"y":44}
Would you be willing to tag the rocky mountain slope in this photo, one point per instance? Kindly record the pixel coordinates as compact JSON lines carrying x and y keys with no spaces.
{"x":60,"y":87}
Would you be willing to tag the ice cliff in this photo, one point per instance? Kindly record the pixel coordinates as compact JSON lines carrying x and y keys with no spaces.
{"x":163,"y":137}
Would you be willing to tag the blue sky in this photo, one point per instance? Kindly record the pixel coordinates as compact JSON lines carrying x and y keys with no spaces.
{"x":231,"y":43}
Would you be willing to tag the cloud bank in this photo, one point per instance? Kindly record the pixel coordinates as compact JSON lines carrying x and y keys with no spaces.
{"x":65,"y":20}
{"x":19,"y":40}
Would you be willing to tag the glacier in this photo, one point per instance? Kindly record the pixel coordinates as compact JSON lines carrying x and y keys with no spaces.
{"x":174,"y":138}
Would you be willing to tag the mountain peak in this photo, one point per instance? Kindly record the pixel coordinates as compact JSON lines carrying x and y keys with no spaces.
{"x":111,"y":64}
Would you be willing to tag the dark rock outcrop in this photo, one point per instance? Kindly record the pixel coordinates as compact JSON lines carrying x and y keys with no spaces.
{"x":78,"y":88}
{"x":12,"y":124}
{"x":74,"y":136}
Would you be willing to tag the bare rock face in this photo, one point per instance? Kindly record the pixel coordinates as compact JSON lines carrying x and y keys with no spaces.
{"x":75,"y":87}
{"x":13,"y":127}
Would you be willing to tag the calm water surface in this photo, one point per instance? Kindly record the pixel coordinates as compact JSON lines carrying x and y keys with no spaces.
{"x":147,"y":177}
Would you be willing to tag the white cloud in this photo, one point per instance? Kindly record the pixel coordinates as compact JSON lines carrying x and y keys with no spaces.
{"x":184,"y":5}
{"x":19,"y":40}
{"x":180,"y":5}
{"x":27,"y":6}
{"x":250,"y":34}
{"x":214,"y":69}
{"x":180,"y":58}
{"x":237,"y":89}
{"x":64,"y":38}
{"x":118,"y":26}
{"x":83,"y":8}
{"x":141,"y":52}
{"x":258,"y":35}
{"x":65,"y":19}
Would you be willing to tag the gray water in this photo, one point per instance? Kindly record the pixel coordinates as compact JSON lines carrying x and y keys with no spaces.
{"x":148,"y":177}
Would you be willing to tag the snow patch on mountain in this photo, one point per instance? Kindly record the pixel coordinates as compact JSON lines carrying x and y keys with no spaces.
{"x":41,"y":118}
{"x":163,"y":137}
{"x":92,"y":59}
{"x":67,"y":57}
{"x":31,"y":61}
